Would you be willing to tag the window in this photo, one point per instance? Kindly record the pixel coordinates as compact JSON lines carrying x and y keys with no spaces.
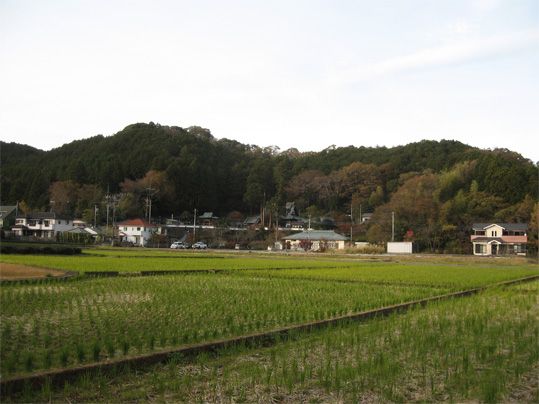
{"x":47,"y":223}
{"x":125,"y":228}
{"x":479,"y":248}
{"x":494,"y":233}
{"x":479,"y":232}
{"x":138,"y":228}
{"x":19,"y":221}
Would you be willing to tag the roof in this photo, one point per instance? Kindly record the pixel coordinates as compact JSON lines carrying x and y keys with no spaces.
{"x":40,"y":215}
{"x":136,"y":223}
{"x":252,"y":220}
{"x":293,"y":218}
{"x":76,"y":230}
{"x":207,"y":215}
{"x":487,"y":239}
{"x":506,"y":226}
{"x":7,"y":210}
{"x":329,"y":235}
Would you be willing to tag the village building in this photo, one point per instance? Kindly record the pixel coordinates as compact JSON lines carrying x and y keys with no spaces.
{"x":41,"y":225}
{"x":252,"y":222}
{"x":499,"y":238}
{"x":315,"y":240}
{"x":8,"y":213}
{"x":207,"y":219}
{"x":137,"y":231}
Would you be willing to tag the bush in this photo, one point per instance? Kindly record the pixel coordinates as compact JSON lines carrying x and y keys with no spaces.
{"x":39,"y":249}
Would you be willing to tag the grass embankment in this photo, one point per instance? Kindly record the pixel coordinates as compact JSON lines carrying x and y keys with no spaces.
{"x":482,"y":348}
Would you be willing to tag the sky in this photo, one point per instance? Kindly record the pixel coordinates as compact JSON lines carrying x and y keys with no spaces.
{"x":304,"y":74}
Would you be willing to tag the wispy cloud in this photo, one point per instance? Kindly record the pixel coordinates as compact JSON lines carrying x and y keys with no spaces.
{"x":446,"y":55}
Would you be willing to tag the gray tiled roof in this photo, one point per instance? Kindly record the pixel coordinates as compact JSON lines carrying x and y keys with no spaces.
{"x":6,"y":210}
{"x":506,"y":226}
{"x":208,"y":215}
{"x":316,"y":235}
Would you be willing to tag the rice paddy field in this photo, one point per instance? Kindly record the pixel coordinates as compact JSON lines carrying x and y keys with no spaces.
{"x":479,"y":348}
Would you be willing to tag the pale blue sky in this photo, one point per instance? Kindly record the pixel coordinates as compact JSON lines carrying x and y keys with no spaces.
{"x":304,"y":74}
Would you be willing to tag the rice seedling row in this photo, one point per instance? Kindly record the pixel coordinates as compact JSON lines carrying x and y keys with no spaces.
{"x":85,"y":263}
{"x":59,"y":325}
{"x":482,"y":349}
{"x":454,"y":277}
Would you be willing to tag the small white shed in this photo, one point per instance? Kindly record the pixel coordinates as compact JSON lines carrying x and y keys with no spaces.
{"x":399,"y":247}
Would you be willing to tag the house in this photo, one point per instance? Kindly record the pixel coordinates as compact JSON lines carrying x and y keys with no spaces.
{"x":293,"y":222}
{"x":315,"y":240}
{"x":41,"y":225}
{"x":136,"y":231}
{"x":499,"y":238}
{"x":366,"y":217}
{"x":252,"y":222}
{"x":208,"y":219}
{"x":7,"y":216}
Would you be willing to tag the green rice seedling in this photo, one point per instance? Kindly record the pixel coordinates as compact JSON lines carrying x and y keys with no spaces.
{"x":125,"y":346}
{"x":81,"y":354}
{"x":29,"y":362}
{"x":64,"y":356}
{"x":96,"y":351}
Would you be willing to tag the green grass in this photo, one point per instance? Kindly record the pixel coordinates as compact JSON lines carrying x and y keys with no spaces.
{"x":166,"y":261}
{"x":62,"y":324}
{"x":455,"y":277}
{"x":58,"y":325}
{"x":482,"y":348}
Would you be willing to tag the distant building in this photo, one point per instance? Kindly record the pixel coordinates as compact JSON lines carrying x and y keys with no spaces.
{"x":136,"y":231}
{"x":366,"y":217}
{"x":499,"y":238}
{"x":208,"y":219}
{"x":7,"y":216}
{"x":252,"y":222}
{"x":315,"y":240}
{"x":41,"y":225}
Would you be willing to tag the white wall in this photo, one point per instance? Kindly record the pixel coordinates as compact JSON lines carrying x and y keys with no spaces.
{"x":403,"y":247}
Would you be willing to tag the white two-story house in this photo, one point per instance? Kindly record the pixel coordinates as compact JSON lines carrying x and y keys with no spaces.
{"x":136,"y":231}
{"x":499,"y":238}
{"x":41,"y":225}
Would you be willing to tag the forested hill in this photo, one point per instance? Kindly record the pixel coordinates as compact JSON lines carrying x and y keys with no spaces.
{"x":190,"y":168}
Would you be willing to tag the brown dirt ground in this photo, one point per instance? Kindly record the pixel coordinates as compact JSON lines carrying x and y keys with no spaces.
{"x":18,"y":272}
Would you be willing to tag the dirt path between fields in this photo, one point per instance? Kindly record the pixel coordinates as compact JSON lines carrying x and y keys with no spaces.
{"x":12,"y":272}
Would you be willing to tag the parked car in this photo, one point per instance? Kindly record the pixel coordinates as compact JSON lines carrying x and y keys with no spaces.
{"x":179,"y":245}
{"x":199,"y":245}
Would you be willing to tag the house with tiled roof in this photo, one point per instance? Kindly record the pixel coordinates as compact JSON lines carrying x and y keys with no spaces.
{"x":499,"y":238}
{"x":315,"y":240}
{"x":137,"y":231}
{"x":8,"y":214}
{"x":41,"y":225}
{"x":208,"y":219}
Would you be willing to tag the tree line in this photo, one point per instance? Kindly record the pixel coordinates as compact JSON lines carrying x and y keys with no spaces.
{"x":436,"y":188}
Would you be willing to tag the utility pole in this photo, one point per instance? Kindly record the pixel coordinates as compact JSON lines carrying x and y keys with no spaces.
{"x":351,"y":223}
{"x":95,"y":216}
{"x":195,"y":226}
{"x":150,"y":192}
{"x":392,"y":226}
{"x":107,"y":201}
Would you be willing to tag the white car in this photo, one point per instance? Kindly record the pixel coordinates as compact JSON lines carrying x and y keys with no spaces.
{"x":199,"y":245}
{"x":179,"y":245}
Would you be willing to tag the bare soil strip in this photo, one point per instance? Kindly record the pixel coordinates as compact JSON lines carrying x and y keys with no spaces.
{"x":15,"y":272}
{"x":59,"y":376}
